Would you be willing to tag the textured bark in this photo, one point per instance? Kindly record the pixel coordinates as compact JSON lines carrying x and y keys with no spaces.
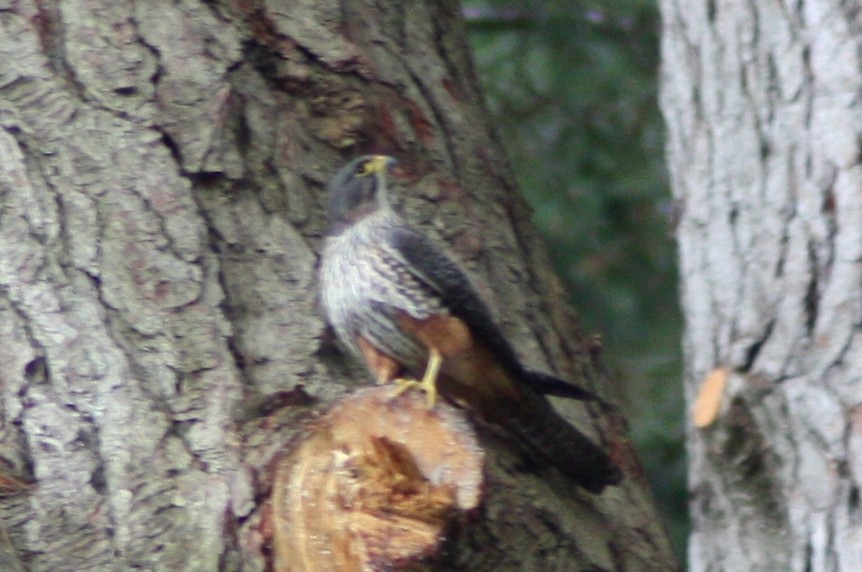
{"x":762,"y":105}
{"x":162,"y":182}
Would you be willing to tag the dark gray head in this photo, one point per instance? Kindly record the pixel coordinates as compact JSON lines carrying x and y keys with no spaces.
{"x":358,"y":189}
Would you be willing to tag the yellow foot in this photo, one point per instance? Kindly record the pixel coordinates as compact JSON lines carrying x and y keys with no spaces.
{"x":428,"y":383}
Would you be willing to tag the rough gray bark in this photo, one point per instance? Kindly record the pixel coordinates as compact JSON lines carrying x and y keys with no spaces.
{"x":162,"y":168}
{"x":762,"y":105}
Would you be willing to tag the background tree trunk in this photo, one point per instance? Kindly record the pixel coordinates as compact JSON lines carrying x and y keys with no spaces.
{"x":762,"y":105}
{"x":162,"y":183}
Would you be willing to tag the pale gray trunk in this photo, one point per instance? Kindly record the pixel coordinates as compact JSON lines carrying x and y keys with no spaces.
{"x":162,"y":169}
{"x":762,"y":103}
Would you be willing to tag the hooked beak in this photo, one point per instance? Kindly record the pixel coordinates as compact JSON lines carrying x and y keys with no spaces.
{"x":380,"y":163}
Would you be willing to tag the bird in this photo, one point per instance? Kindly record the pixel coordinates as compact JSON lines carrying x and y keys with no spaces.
{"x":399,"y":302}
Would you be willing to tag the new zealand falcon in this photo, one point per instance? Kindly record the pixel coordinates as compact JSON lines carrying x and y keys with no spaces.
{"x":397,"y":300}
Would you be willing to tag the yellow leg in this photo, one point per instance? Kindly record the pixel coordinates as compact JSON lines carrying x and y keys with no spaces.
{"x":428,"y":384}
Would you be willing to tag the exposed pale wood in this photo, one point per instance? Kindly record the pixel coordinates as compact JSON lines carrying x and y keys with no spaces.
{"x":374,"y":484}
{"x":710,"y":397}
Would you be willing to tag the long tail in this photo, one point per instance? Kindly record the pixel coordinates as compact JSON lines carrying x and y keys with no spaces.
{"x":513,"y":400}
{"x":551,"y":439}
{"x":547,"y":384}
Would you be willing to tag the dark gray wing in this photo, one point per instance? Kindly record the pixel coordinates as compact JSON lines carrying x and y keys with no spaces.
{"x":443,"y":276}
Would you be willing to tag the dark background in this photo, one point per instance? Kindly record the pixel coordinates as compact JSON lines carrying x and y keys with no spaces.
{"x":572,"y":89}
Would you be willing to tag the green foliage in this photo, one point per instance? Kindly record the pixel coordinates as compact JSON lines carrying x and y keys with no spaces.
{"x":572,"y":88}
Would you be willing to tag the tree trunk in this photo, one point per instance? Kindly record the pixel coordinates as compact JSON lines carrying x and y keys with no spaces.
{"x":162,"y":183}
{"x":762,"y":105}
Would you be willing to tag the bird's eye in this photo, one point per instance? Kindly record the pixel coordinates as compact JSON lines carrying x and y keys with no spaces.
{"x":363,"y":169}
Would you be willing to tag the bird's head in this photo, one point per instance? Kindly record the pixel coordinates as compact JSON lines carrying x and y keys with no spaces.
{"x":358,"y":190}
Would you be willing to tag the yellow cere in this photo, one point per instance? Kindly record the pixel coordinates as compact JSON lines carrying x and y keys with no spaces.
{"x":373,"y":165}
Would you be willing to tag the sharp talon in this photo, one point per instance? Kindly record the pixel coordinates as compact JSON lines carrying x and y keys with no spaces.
{"x":429,"y":380}
{"x":403,"y":384}
{"x":428,"y":383}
